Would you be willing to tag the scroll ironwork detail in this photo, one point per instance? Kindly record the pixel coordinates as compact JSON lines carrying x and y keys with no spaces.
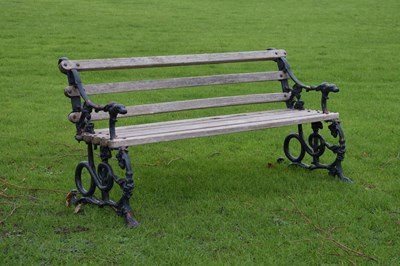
{"x":315,"y":146}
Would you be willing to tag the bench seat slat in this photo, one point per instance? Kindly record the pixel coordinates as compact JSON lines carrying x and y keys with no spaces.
{"x":93,"y":89}
{"x":192,"y":128}
{"x":161,"y":126}
{"x":172,"y":60}
{"x":217,"y":121}
{"x":197,"y":104}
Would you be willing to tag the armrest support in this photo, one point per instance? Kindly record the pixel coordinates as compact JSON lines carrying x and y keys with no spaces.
{"x":84,"y":124}
{"x":325,"y":88}
{"x":114,"y":109}
{"x":82,"y":120}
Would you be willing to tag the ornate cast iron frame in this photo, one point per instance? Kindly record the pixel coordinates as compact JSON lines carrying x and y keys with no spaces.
{"x":103,"y":176}
{"x":315,"y":145}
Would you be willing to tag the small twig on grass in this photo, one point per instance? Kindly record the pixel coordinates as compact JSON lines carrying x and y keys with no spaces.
{"x":163,"y":162}
{"x":327,"y":237}
{"x":349,"y":250}
{"x":308,"y":220}
{"x":5,"y":182}
{"x":11,"y":213}
{"x":172,"y":160}
{"x":6,"y":196}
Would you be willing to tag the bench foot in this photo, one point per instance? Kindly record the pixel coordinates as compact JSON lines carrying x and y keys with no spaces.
{"x":104,"y":178}
{"x":130,"y":220}
{"x":315,"y":146}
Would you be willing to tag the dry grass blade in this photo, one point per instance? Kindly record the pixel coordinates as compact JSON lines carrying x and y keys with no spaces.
{"x":327,"y":237}
{"x":6,"y":183}
{"x":9,"y":215}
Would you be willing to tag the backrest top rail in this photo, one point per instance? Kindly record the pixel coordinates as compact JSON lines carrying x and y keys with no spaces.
{"x":171,"y":60}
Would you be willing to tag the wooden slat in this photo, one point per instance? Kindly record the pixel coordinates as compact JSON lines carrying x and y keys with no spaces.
{"x":93,"y":89}
{"x":216,"y":130}
{"x":170,"y":126}
{"x":192,"y":124}
{"x":175,"y":60}
{"x":167,"y":131}
{"x":194,"y":121}
{"x":197,"y":104}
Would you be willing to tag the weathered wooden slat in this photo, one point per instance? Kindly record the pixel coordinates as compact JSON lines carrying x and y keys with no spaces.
{"x":93,"y":89}
{"x":198,"y":123}
{"x":210,"y":131}
{"x":194,"y":121}
{"x":164,"y":61}
{"x":191,"y":128}
{"x":132,"y":131}
{"x":197,"y":104}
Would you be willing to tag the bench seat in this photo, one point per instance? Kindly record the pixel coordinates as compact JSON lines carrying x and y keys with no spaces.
{"x":206,"y":126}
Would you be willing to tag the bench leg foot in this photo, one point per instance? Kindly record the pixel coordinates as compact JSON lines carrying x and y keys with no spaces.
{"x":315,"y":146}
{"x":103,"y":178}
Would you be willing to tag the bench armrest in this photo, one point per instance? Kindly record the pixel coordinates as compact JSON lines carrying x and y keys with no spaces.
{"x":82,"y":121}
{"x":325,"y":88}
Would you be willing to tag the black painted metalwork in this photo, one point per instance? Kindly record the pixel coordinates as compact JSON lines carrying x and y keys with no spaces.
{"x":114,"y":109}
{"x":102,"y":177}
{"x":315,"y":146}
{"x":294,"y":100}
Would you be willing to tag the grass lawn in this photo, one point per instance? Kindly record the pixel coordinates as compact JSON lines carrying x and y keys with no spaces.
{"x":207,"y":201}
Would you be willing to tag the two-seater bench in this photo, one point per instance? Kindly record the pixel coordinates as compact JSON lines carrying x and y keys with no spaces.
{"x":291,"y":112}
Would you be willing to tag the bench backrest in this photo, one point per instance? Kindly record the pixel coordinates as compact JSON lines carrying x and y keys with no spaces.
{"x":179,"y":60}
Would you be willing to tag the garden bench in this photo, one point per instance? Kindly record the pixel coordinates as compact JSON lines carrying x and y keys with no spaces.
{"x":292,"y":112}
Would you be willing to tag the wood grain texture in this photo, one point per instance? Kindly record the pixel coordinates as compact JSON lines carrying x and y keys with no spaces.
{"x":165,"y":107}
{"x":172,"y":60}
{"x":93,"y":89}
{"x":217,"y":125}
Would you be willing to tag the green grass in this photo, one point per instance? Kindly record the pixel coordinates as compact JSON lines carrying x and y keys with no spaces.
{"x":224,"y":200}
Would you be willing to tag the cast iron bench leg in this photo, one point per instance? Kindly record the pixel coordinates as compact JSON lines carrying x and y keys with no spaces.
{"x":315,"y":146}
{"x":104,"y":179}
